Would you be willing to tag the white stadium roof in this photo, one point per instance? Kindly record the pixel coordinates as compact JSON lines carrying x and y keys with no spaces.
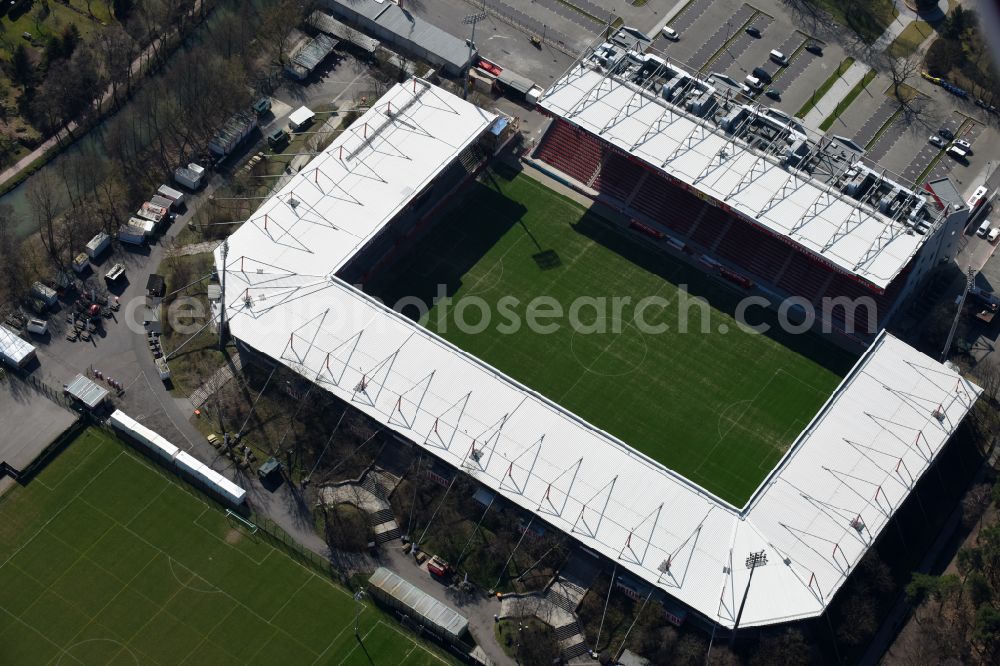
{"x":857,"y":240}
{"x":815,"y":515}
{"x":347,"y":194}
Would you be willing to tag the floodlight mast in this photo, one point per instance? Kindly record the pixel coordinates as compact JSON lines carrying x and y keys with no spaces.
{"x":753,"y":561}
{"x":969,"y":280}
{"x":471,"y":19}
{"x":222,"y":297}
{"x":358,"y":596}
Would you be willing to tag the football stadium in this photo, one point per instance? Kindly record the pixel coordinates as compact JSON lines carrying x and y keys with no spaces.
{"x":673,"y":452}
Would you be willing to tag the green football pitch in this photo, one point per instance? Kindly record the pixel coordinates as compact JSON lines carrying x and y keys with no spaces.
{"x":105,"y":559}
{"x":719,"y":407}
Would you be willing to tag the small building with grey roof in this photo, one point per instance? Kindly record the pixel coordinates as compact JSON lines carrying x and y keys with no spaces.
{"x":405,"y":31}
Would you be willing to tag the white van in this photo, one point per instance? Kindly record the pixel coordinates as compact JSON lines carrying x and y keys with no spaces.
{"x":670,"y":33}
{"x":958,"y":153}
{"x":983,"y":229}
{"x":779,"y":57}
{"x":753,"y":83}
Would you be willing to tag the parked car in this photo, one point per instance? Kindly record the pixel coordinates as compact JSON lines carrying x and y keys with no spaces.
{"x":964,"y":145}
{"x":814,"y":48}
{"x":761,"y":74}
{"x":946,"y":133}
{"x":774,"y":94}
{"x":753,"y":31}
{"x":984,"y":229}
{"x":994,"y":234}
{"x":935,"y":140}
{"x":958,"y":153}
{"x":670,"y":33}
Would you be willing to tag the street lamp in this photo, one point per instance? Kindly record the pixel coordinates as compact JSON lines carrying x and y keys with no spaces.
{"x":471,"y":19}
{"x":754,"y":560}
{"x":358,"y":596}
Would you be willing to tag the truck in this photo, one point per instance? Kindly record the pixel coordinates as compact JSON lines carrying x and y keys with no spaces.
{"x":300,"y":119}
{"x":115,"y":272}
{"x":232,"y":133}
{"x":190,"y":176}
{"x":438,"y":567}
{"x":47,"y":295}
{"x":162,"y":202}
{"x":175,"y":196}
{"x":37,"y":326}
{"x":135,"y":232}
{"x":81,"y":262}
{"x":152,"y":212}
{"x":162,"y":368}
{"x":97,"y":245}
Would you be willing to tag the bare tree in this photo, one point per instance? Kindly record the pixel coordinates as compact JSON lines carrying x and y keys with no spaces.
{"x":903,"y":70}
{"x":44,"y":204}
{"x":12,"y":278}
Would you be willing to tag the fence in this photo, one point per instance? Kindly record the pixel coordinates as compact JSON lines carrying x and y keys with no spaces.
{"x":552,"y":38}
{"x":58,"y":397}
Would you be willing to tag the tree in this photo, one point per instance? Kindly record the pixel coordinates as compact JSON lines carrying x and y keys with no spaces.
{"x":788,"y":648}
{"x":23,"y":68}
{"x":116,"y":51}
{"x":957,"y":22}
{"x":856,"y":618}
{"x":123,"y":8}
{"x":902,"y":70}
{"x":538,"y":645}
{"x":691,"y":650}
{"x":44,"y":207}
{"x":987,"y":631}
{"x":12,"y":278}
{"x":41,"y":13}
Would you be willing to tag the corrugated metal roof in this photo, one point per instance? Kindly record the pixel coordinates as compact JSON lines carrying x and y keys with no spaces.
{"x":435,"y":613}
{"x":314,"y":52}
{"x":86,"y":391}
{"x":326,"y":23}
{"x":514,"y":81}
{"x":412,"y":28}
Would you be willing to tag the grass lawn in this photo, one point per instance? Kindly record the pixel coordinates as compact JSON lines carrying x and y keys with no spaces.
{"x":193,"y":359}
{"x":824,"y":88}
{"x":718,"y":407}
{"x":868,"y":19}
{"x":106,"y":559}
{"x":906,"y":42}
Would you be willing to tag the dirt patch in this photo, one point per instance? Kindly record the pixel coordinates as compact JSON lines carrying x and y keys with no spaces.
{"x":234,"y":537}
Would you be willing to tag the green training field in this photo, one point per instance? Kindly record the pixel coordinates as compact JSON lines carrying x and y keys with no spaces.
{"x":719,"y":407}
{"x":104,"y":559}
